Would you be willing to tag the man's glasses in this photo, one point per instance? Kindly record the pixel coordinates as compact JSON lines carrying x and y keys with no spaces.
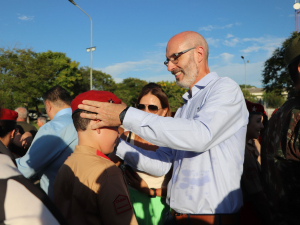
{"x":174,"y":57}
{"x":151,"y":108}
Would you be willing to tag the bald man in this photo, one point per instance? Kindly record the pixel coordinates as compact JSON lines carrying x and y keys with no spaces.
{"x":204,"y":142}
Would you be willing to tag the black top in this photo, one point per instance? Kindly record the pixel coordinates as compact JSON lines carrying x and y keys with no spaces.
{"x":6,"y":151}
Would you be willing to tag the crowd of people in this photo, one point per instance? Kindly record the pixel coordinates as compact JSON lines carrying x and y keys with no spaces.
{"x":218,"y":160}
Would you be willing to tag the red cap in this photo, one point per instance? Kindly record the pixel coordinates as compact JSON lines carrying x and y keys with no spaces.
{"x":99,"y":96}
{"x":7,"y":114}
{"x":254,"y":107}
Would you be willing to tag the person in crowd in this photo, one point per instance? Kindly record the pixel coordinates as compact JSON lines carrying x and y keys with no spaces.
{"x":256,"y":209}
{"x":89,"y":187}
{"x":7,"y":131}
{"x":22,"y":124}
{"x":21,"y":202}
{"x":54,"y":141}
{"x":152,"y":99}
{"x":205,"y":142}
{"x":41,"y":121}
{"x":280,"y":150}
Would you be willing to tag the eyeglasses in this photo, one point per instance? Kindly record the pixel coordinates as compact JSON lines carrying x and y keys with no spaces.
{"x":174,"y":57}
{"x":151,"y":108}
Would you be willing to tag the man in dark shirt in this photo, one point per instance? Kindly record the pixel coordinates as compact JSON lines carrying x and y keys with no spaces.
{"x":7,"y":131}
{"x":281,"y":149}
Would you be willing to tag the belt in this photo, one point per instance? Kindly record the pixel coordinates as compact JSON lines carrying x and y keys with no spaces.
{"x":206,"y":219}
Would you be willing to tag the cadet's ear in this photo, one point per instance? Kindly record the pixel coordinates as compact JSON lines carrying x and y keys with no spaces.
{"x":299,"y":67}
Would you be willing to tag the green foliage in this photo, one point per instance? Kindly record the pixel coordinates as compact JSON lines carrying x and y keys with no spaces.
{"x":249,"y":96}
{"x":129,"y":90}
{"x":273,"y":100}
{"x":101,"y":81}
{"x":275,"y":74}
{"x":247,"y":86}
{"x":25,"y":75}
{"x":174,"y":93}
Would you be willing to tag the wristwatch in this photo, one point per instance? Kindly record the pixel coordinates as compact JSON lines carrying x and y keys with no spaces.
{"x":122,"y":114}
{"x":154,"y":194}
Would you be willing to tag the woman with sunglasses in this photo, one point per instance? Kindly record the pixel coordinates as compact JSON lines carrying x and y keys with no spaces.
{"x":146,"y":190}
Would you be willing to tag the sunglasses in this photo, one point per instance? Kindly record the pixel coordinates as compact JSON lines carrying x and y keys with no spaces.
{"x":151,"y":108}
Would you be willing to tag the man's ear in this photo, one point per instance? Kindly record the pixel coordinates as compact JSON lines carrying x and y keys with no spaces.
{"x":12,"y":133}
{"x":200,"y":53}
{"x":48,"y":106}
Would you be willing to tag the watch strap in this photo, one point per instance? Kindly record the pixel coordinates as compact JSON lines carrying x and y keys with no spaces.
{"x":122,"y":114}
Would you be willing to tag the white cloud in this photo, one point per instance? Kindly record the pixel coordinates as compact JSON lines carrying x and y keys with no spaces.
{"x":162,"y":44}
{"x":25,"y":17}
{"x":229,"y":36}
{"x":124,"y":67}
{"x":215,"y":27}
{"x":291,"y":15}
{"x":226,"y":56}
{"x":237,"y":72}
{"x":268,"y":44}
{"x":212,"y":42}
{"x":232,"y":42}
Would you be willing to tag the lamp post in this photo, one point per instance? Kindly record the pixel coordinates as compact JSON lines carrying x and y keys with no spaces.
{"x":91,"y":49}
{"x":245,"y":70}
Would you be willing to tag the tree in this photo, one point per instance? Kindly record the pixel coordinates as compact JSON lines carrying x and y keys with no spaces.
{"x":249,"y":96}
{"x":25,"y":75}
{"x":129,"y":90}
{"x":273,"y":100}
{"x":174,"y":93}
{"x":101,"y":81}
{"x":275,"y":74}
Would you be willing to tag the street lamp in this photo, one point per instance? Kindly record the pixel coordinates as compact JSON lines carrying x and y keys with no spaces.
{"x":91,"y":49}
{"x":245,"y":70}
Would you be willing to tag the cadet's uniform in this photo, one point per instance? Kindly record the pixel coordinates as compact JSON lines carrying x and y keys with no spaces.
{"x":7,"y":118}
{"x":280,"y":150}
{"x":90,"y":189}
{"x":280,"y":161}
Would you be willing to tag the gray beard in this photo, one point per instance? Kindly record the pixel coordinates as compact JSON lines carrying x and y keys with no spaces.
{"x":189,"y":78}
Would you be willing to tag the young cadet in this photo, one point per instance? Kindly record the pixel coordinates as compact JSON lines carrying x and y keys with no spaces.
{"x":89,"y":188}
{"x":7,"y":129}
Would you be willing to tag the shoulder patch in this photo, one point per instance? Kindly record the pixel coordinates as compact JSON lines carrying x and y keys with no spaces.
{"x":122,"y":204}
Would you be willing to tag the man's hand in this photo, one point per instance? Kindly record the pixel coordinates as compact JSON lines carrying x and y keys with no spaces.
{"x":107,"y":113}
{"x":26,"y":140}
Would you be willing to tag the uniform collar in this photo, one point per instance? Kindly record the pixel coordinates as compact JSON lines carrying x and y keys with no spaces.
{"x":201,"y":84}
{"x":62,"y":112}
{"x":89,"y":151}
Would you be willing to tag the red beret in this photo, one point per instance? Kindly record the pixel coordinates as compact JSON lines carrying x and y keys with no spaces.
{"x":7,"y":114}
{"x":99,"y":96}
{"x":254,"y":107}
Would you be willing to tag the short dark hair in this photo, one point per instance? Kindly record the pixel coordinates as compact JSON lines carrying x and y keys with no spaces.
{"x":293,"y":70}
{"x":157,"y":91}
{"x":80,"y":123}
{"x":57,"y":94}
{"x":7,"y":126}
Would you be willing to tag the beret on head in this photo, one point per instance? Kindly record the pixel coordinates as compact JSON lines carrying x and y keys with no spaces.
{"x":7,"y":114}
{"x":292,"y":51}
{"x":93,"y":95}
{"x":254,"y":108}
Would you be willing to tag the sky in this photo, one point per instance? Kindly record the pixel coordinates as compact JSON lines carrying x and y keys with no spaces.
{"x":131,"y":36}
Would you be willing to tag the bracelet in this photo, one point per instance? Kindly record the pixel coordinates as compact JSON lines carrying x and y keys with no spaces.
{"x":154,"y":195}
{"x":122,"y":114}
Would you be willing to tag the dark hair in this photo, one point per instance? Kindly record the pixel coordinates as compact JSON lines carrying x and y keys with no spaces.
{"x":157,"y":91}
{"x":6,"y":126}
{"x":57,"y":95}
{"x":79,"y":122}
{"x":293,"y":70}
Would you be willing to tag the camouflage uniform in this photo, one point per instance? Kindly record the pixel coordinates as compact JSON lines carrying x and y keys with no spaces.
{"x":280,"y":161}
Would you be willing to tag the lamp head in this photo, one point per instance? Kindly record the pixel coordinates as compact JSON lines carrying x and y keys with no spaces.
{"x":242,"y":57}
{"x":72,"y":2}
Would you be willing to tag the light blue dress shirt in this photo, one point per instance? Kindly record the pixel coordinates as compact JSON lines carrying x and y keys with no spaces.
{"x":205,"y":143}
{"x":53,"y":143}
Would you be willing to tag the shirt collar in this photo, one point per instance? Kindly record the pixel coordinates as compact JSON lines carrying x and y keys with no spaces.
{"x":201,"y":84}
{"x":89,"y":150}
{"x":62,"y":112}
